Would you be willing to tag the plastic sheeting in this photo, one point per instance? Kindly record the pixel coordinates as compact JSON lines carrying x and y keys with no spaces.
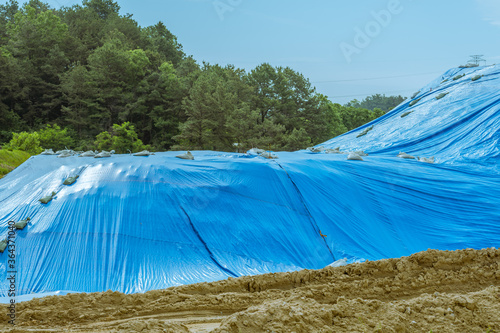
{"x":461,"y":127}
{"x":134,"y":224}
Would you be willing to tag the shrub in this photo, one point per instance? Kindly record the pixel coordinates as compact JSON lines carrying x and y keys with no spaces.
{"x":122,"y":139}
{"x":28,"y":142}
{"x":52,"y":136}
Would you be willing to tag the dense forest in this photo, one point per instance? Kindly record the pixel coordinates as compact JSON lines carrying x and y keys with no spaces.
{"x":87,"y":77}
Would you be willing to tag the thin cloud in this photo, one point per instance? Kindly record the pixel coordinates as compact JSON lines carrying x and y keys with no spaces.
{"x":490,"y":10}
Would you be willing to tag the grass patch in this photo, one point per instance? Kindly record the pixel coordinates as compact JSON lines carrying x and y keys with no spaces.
{"x":11,"y":159}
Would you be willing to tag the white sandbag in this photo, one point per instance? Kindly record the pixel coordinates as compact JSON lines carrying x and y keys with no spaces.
{"x":186,"y":156}
{"x":426,"y":160}
{"x":316,"y":149}
{"x":88,"y":153}
{"x":104,"y":154}
{"x":268,"y":155}
{"x":361,"y":153}
{"x":354,"y":157}
{"x":256,"y":151}
{"x":65,"y":153}
{"x":339,"y":263}
{"x":143,"y":153}
{"x":406,"y":156}
{"x":333,"y":151}
{"x":48,"y":152}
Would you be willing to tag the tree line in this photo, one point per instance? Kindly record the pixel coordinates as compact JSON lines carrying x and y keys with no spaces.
{"x":86,"y":75}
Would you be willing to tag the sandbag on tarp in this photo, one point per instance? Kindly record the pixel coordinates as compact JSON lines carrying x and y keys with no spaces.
{"x":65,"y":153}
{"x":426,"y":160}
{"x":441,"y":95}
{"x":468,"y":66}
{"x":256,"y":151}
{"x":368,"y":129}
{"x":458,"y":77}
{"x":361,"y":153}
{"x":143,"y":153}
{"x":476,"y":77}
{"x":269,"y":155}
{"x":88,"y":153}
{"x":405,"y":156}
{"x":48,"y":198}
{"x":3,"y":245}
{"x":47,"y":152}
{"x":315,"y":149}
{"x":406,"y":114}
{"x":354,"y":157}
{"x":22,"y":224}
{"x":104,"y":154}
{"x":186,"y":156}
{"x":415,"y":101}
{"x":70,"y":180}
{"x":333,"y":151}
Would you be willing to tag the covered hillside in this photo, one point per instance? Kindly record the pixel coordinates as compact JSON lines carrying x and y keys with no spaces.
{"x":133,"y":224}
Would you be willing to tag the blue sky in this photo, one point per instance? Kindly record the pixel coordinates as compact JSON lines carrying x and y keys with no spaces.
{"x":348,"y":49}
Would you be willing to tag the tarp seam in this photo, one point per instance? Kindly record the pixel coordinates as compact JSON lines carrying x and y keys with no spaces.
{"x":206,"y":246}
{"x":301,"y":198}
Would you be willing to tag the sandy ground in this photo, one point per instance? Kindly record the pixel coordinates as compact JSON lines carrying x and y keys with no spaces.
{"x":438,"y":291}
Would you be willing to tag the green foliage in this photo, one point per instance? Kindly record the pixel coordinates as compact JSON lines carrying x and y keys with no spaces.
{"x":355,"y":117}
{"x":296,"y":140}
{"x":103,"y":8}
{"x":82,"y":111}
{"x":28,"y":142}
{"x":87,"y":67}
{"x":52,"y":136}
{"x":11,"y":159}
{"x":210,"y":101}
{"x":122,"y":139}
{"x":104,"y":141}
{"x":377,"y":101}
{"x":37,"y":42}
{"x":9,"y":121}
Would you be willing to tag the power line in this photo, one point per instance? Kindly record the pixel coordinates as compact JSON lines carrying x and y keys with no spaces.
{"x":378,"y":78}
{"x":382,"y":93}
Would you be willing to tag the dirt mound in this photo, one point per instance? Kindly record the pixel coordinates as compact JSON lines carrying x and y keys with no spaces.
{"x":472,"y":312}
{"x":442,"y":291}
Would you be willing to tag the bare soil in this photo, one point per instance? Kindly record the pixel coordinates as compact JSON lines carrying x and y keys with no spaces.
{"x":438,"y":291}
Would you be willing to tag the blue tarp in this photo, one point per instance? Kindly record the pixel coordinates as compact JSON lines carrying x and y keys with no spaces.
{"x":134,"y":224}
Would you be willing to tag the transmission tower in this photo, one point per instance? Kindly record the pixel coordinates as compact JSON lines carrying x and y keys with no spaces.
{"x":477,"y":59}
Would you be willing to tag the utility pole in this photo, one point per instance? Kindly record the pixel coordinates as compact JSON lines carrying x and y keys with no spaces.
{"x":477,"y":59}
